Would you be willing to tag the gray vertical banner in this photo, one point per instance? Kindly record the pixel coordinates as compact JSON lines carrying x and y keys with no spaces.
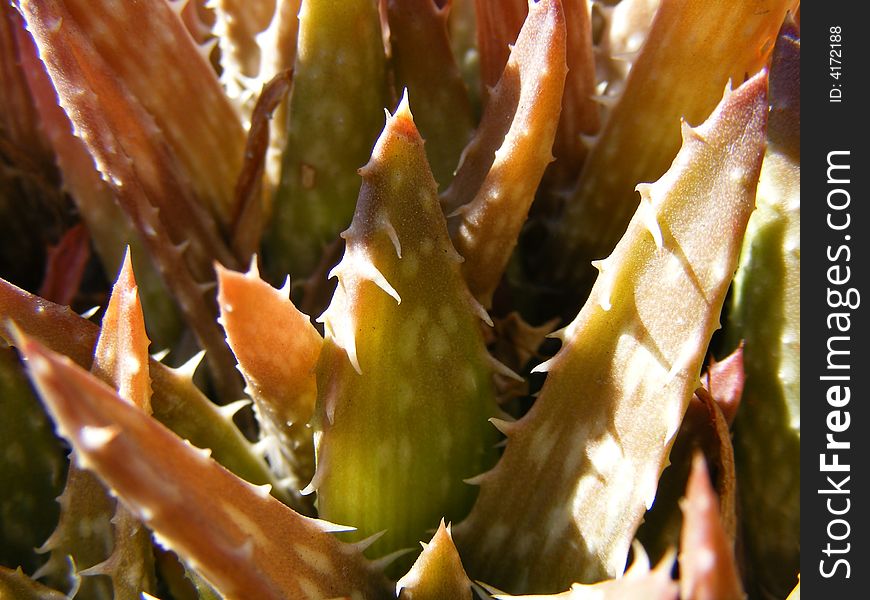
{"x":834,"y":413}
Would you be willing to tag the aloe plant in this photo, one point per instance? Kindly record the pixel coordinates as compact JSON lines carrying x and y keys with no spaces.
{"x":372,"y":297}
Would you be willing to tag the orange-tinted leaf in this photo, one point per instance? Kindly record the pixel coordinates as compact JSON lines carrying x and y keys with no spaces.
{"x":707,"y":565}
{"x":245,"y":542}
{"x":520,"y":120}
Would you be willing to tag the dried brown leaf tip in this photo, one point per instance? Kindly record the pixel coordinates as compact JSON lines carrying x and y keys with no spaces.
{"x":194,"y":506}
{"x":707,"y":565}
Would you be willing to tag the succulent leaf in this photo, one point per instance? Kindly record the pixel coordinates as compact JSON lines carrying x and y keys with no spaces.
{"x":176,"y":401}
{"x":498,"y":24}
{"x":121,"y":360}
{"x":339,"y":91}
{"x":134,"y":156}
{"x":424,"y":65}
{"x":437,"y":573}
{"x":277,"y":348}
{"x":399,"y":433}
{"x":504,"y":163}
{"x":248,"y":210}
{"x":110,"y":229}
{"x":241,"y":539}
{"x":141,"y":43}
{"x":617,"y":391}
{"x":580,"y":116}
{"x":674,"y":77}
{"x":707,"y":564}
{"x":766,"y":315}
{"x":704,"y":429}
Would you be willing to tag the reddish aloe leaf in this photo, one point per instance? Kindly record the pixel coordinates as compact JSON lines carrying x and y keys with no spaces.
{"x":110,"y":229}
{"x":146,"y":45}
{"x":120,"y":549}
{"x":494,"y":191}
{"x":424,"y":64}
{"x":582,"y":466}
{"x":498,"y":23}
{"x":704,"y":429}
{"x":121,"y":360}
{"x":33,"y":212}
{"x":66,"y":265}
{"x":176,"y":401}
{"x":139,"y":165}
{"x":725,"y":380}
{"x":707,"y":565}
{"x":245,"y":542}
{"x":674,"y":77}
{"x":277,"y":349}
{"x":404,"y":380}
{"x":247,"y":211}
{"x":437,"y":573}
{"x":18,"y":586}
{"x":121,"y":356}
{"x":580,"y":114}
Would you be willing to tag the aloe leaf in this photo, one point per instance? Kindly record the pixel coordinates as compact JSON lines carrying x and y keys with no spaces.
{"x":765,"y":314}
{"x":504,"y":163}
{"x":580,"y":116}
{"x":143,"y":43}
{"x":176,"y":401}
{"x":707,"y":565}
{"x":498,"y":24}
{"x":704,"y":429}
{"x":89,"y":541}
{"x":277,"y":348}
{"x":241,"y":539}
{"x":110,"y":229}
{"x":248,"y":210}
{"x":15,"y":584}
{"x":423,"y":63}
{"x":339,"y":93}
{"x":31,"y":470}
{"x":582,"y":466}
{"x":404,"y":380}
{"x":437,"y":573}
{"x":121,"y":360}
{"x":134,"y":156}
{"x":675,"y":76}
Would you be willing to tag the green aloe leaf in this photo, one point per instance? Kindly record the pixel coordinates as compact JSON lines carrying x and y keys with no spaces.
{"x":404,"y":381}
